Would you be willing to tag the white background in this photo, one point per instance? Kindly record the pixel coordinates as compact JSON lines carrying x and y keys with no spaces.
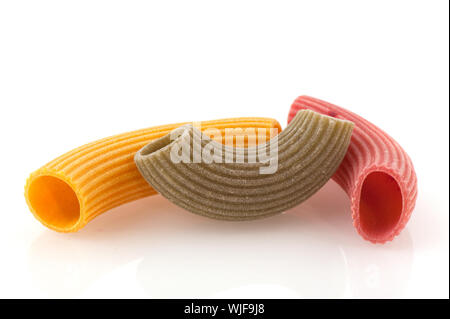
{"x":73,"y":72}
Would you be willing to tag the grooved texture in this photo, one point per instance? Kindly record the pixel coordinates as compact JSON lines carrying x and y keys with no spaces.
{"x":376,"y":173}
{"x":74,"y":188}
{"x":310,"y":150}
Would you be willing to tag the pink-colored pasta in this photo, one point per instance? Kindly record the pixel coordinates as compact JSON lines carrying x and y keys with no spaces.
{"x":376,"y":173}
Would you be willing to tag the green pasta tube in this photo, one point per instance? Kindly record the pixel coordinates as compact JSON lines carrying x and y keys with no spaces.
{"x":219,"y":181}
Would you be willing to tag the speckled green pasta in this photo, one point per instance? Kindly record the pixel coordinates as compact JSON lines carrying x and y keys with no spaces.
{"x":310,"y":150}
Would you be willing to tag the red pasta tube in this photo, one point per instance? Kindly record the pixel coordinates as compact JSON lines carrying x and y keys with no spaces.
{"x":376,"y":173}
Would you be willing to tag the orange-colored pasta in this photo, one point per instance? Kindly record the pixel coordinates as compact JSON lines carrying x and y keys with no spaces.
{"x":71,"y":190}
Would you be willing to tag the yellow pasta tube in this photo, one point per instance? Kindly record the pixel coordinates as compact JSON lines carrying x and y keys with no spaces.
{"x":71,"y":190}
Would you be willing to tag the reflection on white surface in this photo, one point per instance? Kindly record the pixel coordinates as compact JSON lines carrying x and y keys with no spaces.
{"x":310,"y":251}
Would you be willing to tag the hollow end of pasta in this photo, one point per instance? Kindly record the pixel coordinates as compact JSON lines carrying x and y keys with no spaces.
{"x":156,"y":145}
{"x":377,"y":205}
{"x":54,"y":201}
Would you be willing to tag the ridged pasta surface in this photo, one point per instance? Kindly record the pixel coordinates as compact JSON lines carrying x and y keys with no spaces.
{"x":308,"y":152}
{"x":74,"y":188}
{"x":376,"y":173}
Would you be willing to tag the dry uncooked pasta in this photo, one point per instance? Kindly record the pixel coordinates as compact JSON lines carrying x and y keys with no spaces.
{"x":305,"y":156}
{"x":376,"y":173}
{"x":74,"y":188}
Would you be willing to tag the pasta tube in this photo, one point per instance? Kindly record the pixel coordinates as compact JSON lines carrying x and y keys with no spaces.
{"x":376,"y":173}
{"x":71,"y":190}
{"x":307,"y":154}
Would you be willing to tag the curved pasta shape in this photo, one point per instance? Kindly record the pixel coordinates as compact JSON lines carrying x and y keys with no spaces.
{"x":71,"y":190}
{"x":376,"y":173}
{"x":309,"y":151}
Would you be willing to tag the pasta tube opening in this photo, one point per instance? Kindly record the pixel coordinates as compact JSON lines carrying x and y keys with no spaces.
{"x":380,"y":204}
{"x":53,"y":201}
{"x":156,"y":145}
